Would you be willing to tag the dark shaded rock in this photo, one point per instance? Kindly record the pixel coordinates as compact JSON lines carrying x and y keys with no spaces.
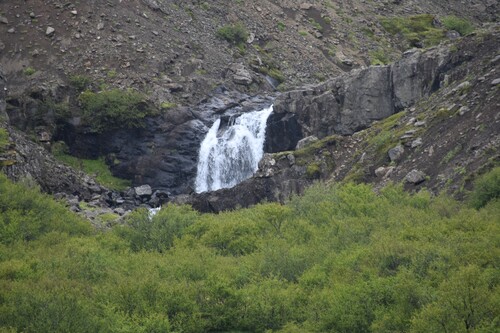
{"x":282,"y":133}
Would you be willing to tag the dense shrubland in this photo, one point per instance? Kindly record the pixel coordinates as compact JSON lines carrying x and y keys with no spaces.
{"x":338,"y":259}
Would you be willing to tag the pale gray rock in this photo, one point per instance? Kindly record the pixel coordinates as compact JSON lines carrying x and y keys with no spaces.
{"x":306,"y":141}
{"x":143,"y":190}
{"x":396,"y":153}
{"x":50,"y":31}
{"x":415,"y":177}
{"x":416,"y":143}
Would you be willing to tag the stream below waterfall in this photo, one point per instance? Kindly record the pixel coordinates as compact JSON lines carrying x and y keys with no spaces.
{"x":230,"y":155}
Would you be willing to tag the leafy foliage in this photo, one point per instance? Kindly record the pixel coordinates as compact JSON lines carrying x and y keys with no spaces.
{"x":462,"y":26}
{"x":235,"y":34}
{"x":338,"y":259}
{"x":487,"y":188}
{"x":80,"y":82}
{"x":112,"y":109}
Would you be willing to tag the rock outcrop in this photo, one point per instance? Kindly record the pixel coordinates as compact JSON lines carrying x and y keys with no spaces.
{"x":165,"y":152}
{"x":349,"y":103}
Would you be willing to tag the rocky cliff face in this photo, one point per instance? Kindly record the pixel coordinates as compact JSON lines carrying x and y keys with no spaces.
{"x":349,"y":103}
{"x":444,"y":135}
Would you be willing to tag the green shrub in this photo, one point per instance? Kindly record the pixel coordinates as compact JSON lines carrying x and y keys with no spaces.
{"x":313,"y":171}
{"x":80,"y":82}
{"x":462,"y":26}
{"x":113,"y":109}
{"x":235,"y":34}
{"x":159,"y":232}
{"x":486,"y":188}
{"x":26,"y":214}
{"x":29,"y":71}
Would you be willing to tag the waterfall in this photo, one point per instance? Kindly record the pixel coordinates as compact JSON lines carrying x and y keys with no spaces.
{"x":229,"y":158}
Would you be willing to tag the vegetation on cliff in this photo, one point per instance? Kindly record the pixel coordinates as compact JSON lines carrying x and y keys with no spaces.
{"x":338,"y":259}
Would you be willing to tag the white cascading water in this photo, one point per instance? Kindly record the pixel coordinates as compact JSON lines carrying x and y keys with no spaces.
{"x":234,"y":156}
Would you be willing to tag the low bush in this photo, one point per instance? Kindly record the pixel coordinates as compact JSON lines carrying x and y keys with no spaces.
{"x":80,"y":82}
{"x":235,"y":34}
{"x":486,"y":188}
{"x":112,"y":109}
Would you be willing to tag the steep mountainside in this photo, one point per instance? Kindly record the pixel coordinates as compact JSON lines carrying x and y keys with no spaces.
{"x":136,"y":85}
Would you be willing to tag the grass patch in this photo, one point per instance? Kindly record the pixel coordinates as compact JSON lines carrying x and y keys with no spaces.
{"x":167,"y":105}
{"x":4,"y":139}
{"x":96,"y":168}
{"x":460,"y":25}
{"x":379,"y":57}
{"x":417,"y":30}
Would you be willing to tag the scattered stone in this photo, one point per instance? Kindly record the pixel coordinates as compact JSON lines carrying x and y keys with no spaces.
{"x":396,"y":153}
{"x":251,"y":38}
{"x":452,"y":34}
{"x":415,"y":177}
{"x":119,"y":211}
{"x":463,"y":110}
{"x":417,"y":142}
{"x":306,"y":141}
{"x":143,"y":190}
{"x":291,"y":159}
{"x":305,"y":6}
{"x":156,"y":33}
{"x":242,"y":76}
{"x":380,"y":172}
{"x":74,"y":12}
{"x":50,"y":31}
{"x":421,"y":123}
{"x":495,"y":82}
{"x":100,"y":26}
{"x":462,"y":86}
{"x":4,"y":20}
{"x":11,"y":30}
{"x":32,"y":15}
{"x":384,"y":172}
{"x":411,"y":121}
{"x":495,"y":60}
